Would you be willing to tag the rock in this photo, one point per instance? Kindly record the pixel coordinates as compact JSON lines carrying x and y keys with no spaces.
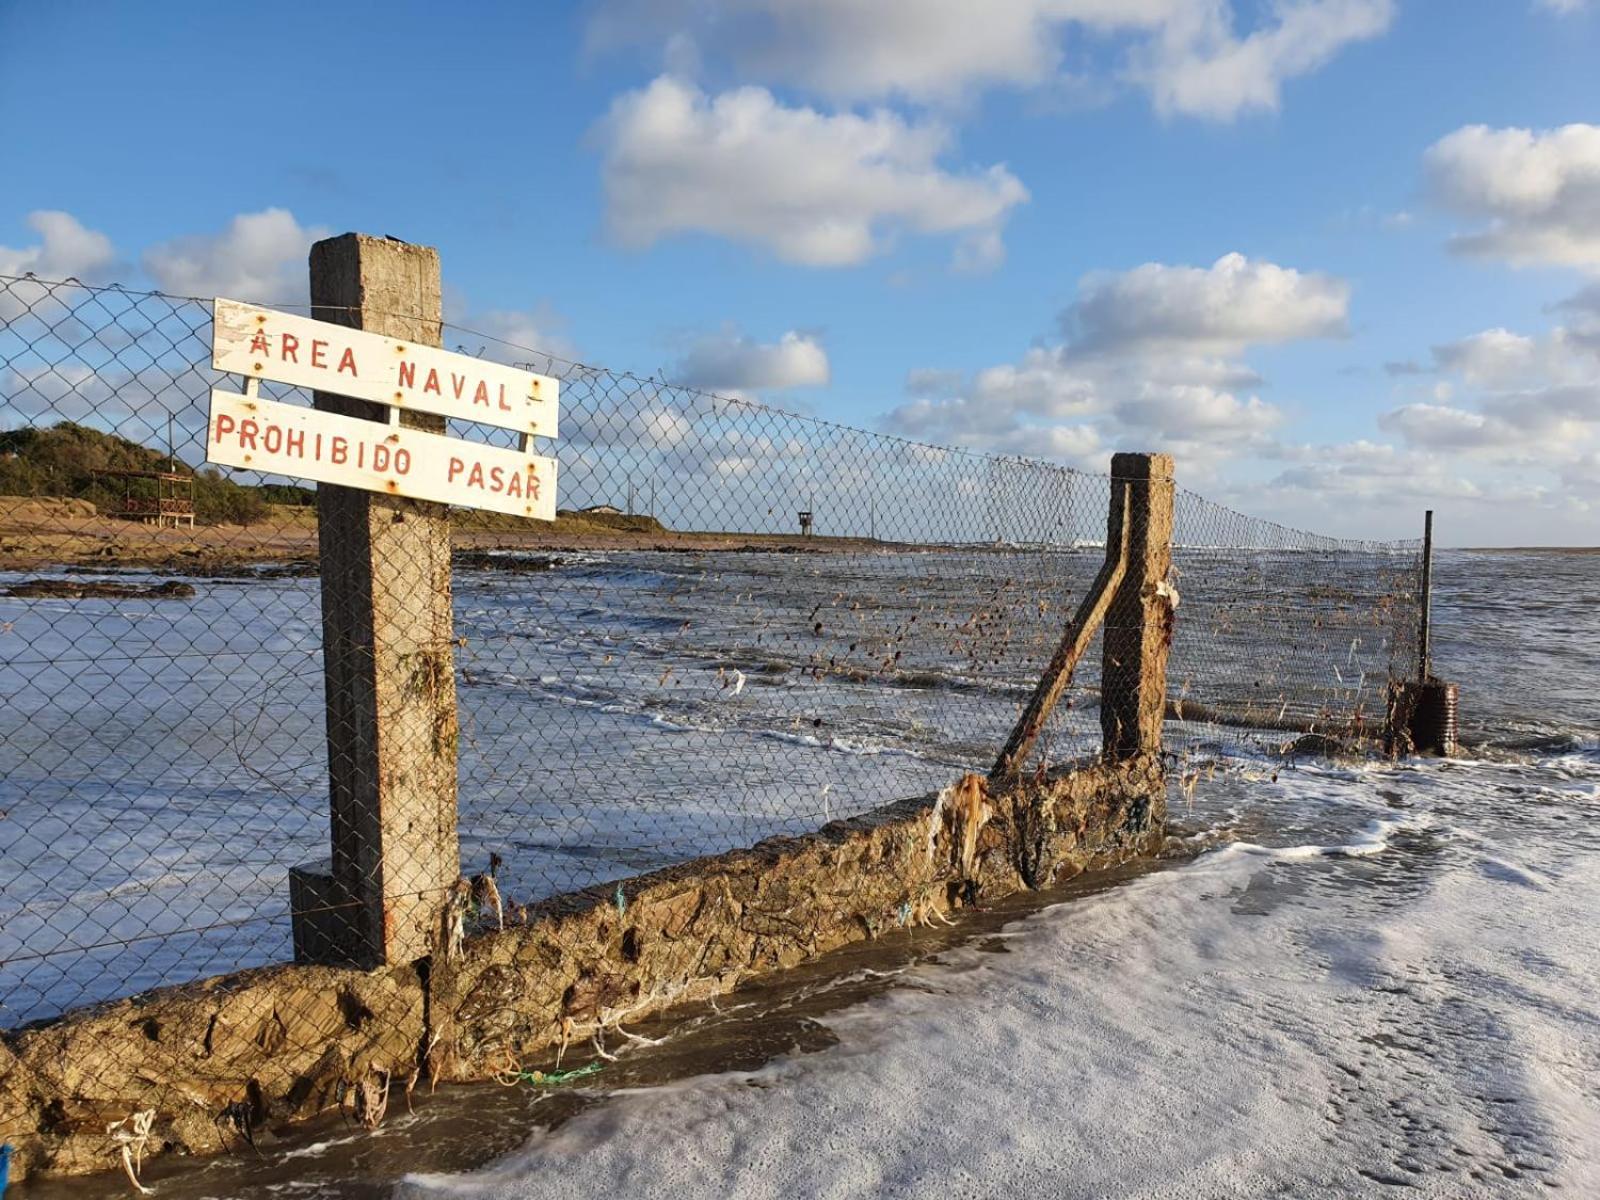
{"x":75,"y":589}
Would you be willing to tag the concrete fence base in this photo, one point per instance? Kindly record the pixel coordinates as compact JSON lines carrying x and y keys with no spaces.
{"x":279,"y":1044}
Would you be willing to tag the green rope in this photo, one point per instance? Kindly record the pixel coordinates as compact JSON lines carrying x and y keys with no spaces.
{"x":557,"y":1078}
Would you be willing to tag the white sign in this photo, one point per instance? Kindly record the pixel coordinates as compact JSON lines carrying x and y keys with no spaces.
{"x":260,"y":343}
{"x":287,"y":439}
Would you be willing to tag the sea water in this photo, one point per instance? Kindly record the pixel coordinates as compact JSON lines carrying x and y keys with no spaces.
{"x":1372,"y":980}
{"x":1368,"y":976}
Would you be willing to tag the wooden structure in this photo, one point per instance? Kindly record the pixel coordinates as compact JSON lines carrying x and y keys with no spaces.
{"x":389,"y":672}
{"x":155,"y":497}
{"x":806,"y":522}
{"x":1132,"y":599}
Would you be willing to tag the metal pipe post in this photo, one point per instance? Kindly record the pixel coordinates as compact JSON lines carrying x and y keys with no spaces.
{"x":1424,"y":651}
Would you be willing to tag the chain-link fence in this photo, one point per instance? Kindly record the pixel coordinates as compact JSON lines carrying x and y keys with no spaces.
{"x":744,"y":623}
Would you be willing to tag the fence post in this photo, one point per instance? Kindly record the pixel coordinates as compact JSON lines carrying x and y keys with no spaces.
{"x":389,"y":670}
{"x":1138,"y":629}
{"x":1424,"y":650}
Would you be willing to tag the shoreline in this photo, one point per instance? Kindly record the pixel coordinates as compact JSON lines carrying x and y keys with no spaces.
{"x":42,"y":534}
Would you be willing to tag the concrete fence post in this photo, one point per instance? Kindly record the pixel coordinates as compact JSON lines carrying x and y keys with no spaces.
{"x":1138,"y":628}
{"x":389,"y":670}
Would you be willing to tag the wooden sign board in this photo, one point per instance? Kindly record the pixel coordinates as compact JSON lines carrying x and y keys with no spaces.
{"x":287,"y":439}
{"x":261,"y":343}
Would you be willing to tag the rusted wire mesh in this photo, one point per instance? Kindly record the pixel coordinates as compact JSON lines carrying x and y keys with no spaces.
{"x":674,"y":668}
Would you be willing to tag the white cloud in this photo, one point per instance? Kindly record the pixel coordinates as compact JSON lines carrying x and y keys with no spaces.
{"x":730,"y":363}
{"x":1441,"y":427}
{"x":1196,"y":411}
{"x":1368,"y":471}
{"x":1150,"y":359}
{"x":1188,"y":54}
{"x":1538,"y":191}
{"x":1530,"y":398}
{"x":849,"y":50}
{"x":1198,"y":66}
{"x":259,"y":257}
{"x":66,"y":249}
{"x":813,"y":188}
{"x":1499,"y":359}
{"x":1563,"y":7}
{"x":1218,"y":309}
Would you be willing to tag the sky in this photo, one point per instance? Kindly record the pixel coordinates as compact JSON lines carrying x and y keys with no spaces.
{"x":1340,"y":257}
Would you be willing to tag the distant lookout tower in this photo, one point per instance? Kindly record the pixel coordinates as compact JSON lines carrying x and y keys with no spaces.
{"x":806,"y":521}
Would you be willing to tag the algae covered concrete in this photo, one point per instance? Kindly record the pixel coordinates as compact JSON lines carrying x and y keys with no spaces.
{"x":267,"y":1047}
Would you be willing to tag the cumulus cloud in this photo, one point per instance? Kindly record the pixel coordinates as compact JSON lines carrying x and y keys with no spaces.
{"x":1528,"y":398}
{"x":730,"y":363}
{"x":1441,"y":427}
{"x":1218,"y":309}
{"x":1198,"y":66}
{"x":1149,"y":357}
{"x":814,"y":188}
{"x":1537,"y":192}
{"x":66,"y":249}
{"x":259,"y":257}
{"x":1369,"y":471}
{"x":1188,"y":54}
{"x":1012,"y":408}
{"x":1498,"y":359}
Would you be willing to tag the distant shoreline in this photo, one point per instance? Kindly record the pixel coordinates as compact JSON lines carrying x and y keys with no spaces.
{"x":39,"y":534}
{"x":1527,"y":549}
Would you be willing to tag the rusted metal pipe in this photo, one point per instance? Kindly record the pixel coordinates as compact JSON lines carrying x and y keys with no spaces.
{"x":1424,"y":651}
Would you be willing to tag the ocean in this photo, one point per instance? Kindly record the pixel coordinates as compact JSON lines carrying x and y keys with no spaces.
{"x":1360,"y":976}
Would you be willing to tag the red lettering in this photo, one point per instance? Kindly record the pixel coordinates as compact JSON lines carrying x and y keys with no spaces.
{"x":458,"y":382}
{"x":295,"y":443}
{"x":408,"y":374}
{"x":475,"y":476}
{"x":504,"y":407}
{"x":361,"y":454}
{"x":318,"y":349}
{"x":402,"y":461}
{"x":456,"y":467}
{"x":247,"y":433}
{"x":225,"y":425}
{"x":432,"y":383}
{"x":497,"y":479}
{"x":481,"y":396}
{"x":533,"y":484}
{"x":348,"y":360}
{"x":291,"y":347}
{"x":515,"y":488}
{"x":380,"y":458}
{"x":338,"y":449}
{"x":272,"y":440}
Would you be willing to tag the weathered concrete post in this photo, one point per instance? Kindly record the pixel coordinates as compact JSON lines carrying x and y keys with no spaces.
{"x":390,"y":677}
{"x":1138,"y":629}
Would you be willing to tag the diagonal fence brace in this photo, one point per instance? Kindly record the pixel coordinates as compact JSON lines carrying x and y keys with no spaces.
{"x":1074,"y":642}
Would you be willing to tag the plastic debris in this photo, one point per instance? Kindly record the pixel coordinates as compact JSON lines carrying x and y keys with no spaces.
{"x":514,"y":1075}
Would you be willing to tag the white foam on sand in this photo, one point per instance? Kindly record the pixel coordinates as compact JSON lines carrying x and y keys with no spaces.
{"x":1414,"y":1005}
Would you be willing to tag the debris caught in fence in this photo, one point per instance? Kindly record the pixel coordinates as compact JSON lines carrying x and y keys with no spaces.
{"x":621,"y":695}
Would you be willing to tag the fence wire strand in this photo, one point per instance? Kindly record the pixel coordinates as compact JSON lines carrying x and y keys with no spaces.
{"x":675,"y":668}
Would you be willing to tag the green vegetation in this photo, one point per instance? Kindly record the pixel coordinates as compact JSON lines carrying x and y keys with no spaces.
{"x":68,"y":460}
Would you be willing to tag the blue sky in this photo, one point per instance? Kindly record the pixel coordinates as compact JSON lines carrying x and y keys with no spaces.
{"x":1051,"y":227}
